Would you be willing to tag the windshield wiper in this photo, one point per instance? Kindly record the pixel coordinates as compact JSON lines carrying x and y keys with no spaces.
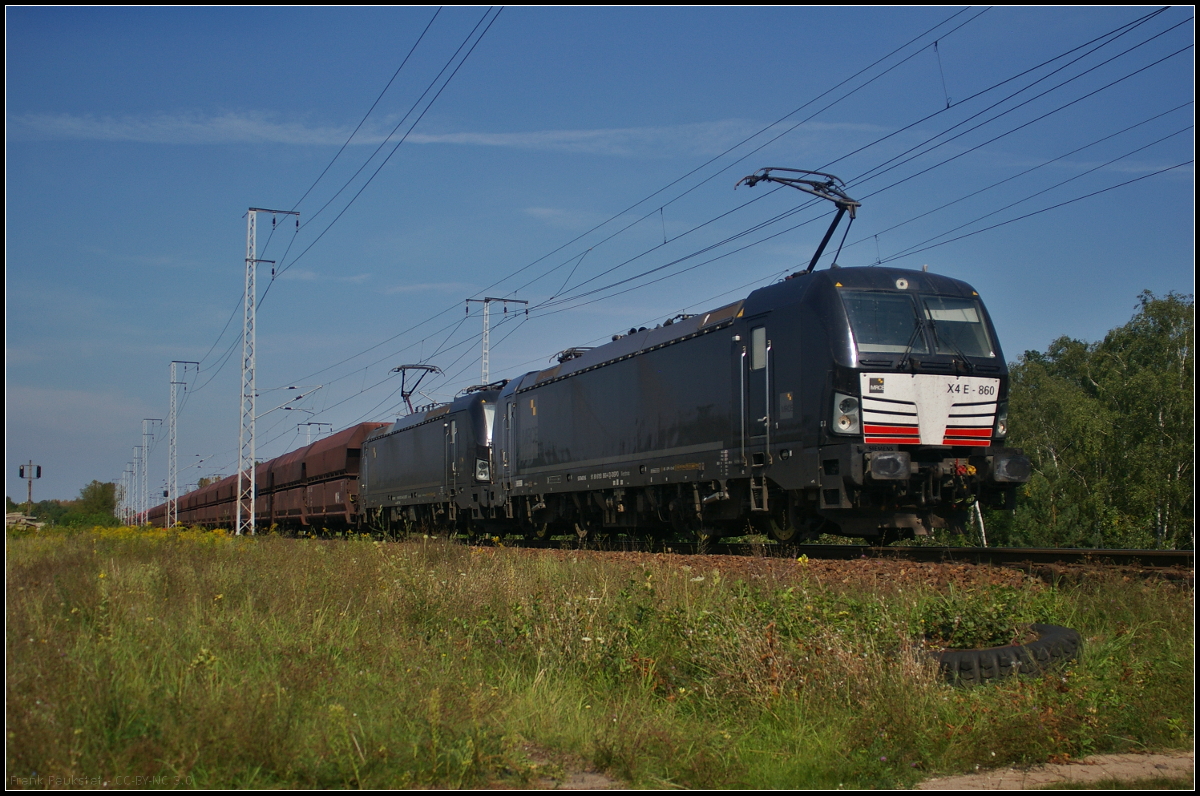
{"x":937,"y":341}
{"x":912,"y":340}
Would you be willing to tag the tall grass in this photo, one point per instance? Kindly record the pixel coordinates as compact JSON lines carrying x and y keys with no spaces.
{"x":191,"y":658}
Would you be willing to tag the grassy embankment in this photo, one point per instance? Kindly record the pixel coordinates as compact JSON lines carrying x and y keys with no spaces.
{"x":221,"y":662}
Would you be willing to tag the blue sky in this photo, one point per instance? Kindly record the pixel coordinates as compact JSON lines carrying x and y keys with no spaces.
{"x":137,"y":139}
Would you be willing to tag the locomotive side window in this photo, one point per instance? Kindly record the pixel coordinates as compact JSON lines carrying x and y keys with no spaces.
{"x":884,"y":323}
{"x":957,"y":326}
{"x":489,"y":418}
{"x":758,"y":348}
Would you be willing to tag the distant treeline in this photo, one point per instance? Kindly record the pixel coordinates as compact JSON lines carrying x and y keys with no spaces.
{"x":1110,"y":428}
{"x":96,"y":505}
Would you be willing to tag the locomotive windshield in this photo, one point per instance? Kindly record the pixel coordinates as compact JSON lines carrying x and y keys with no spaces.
{"x":892,"y":323}
{"x":884,"y":323}
{"x":957,"y":326}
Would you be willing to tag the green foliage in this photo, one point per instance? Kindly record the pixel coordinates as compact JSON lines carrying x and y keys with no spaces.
{"x":1110,"y":429}
{"x":96,"y":506}
{"x":974,"y":619}
{"x":222,"y":662}
{"x":97,"y":498}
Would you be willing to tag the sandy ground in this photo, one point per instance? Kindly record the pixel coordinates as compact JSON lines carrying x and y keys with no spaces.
{"x":1086,"y":772}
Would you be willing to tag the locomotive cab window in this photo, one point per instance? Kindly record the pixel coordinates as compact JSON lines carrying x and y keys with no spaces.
{"x":489,"y":419}
{"x":758,"y":348}
{"x":957,"y":326}
{"x":884,"y":323}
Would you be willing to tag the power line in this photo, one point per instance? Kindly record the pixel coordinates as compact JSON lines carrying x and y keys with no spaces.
{"x":365,"y":115}
{"x":688,"y":174}
{"x":1039,"y":212}
{"x":408,"y":131}
{"x":578,"y":261}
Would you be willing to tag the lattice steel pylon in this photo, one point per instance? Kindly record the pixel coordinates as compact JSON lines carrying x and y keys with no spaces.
{"x":147,"y":435}
{"x":487,"y":303}
{"x":136,"y":503}
{"x":172,"y":465}
{"x":247,"y":490}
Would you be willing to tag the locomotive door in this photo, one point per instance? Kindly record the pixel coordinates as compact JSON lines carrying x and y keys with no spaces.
{"x":510,"y":418}
{"x":757,"y":406}
{"x":756,"y":413}
{"x":451,"y":456}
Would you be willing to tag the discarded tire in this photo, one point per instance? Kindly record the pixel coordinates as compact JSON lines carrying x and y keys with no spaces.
{"x":1054,"y":645}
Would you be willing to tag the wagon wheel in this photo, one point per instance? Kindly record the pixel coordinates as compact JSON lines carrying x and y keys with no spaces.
{"x":536,"y":531}
{"x":778,"y":526}
{"x":589,"y":530}
{"x":784,"y":523}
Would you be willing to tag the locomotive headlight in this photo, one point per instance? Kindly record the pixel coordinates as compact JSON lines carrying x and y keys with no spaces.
{"x":1001,"y":422}
{"x":845,"y":414}
{"x":483,"y":471}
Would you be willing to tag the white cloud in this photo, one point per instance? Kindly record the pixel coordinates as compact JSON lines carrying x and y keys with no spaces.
{"x":700,"y":138}
{"x":564,"y":219}
{"x":178,"y":129}
{"x":420,"y":287}
{"x":299,"y":274}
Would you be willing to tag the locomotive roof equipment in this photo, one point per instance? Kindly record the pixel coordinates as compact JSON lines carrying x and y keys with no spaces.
{"x":822,"y":190}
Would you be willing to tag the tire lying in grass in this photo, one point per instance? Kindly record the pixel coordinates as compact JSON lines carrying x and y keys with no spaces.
{"x":1054,"y":645}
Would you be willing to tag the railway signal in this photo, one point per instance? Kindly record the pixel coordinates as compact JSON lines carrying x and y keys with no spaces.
{"x":29,"y":472}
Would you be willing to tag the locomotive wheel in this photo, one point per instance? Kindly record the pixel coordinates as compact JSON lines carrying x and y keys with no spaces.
{"x":781,"y":531}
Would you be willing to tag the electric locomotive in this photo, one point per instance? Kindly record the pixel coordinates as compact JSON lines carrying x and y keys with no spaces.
{"x":862,"y":401}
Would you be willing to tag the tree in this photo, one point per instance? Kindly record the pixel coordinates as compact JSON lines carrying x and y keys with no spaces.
{"x":1110,"y":429}
{"x":97,"y":498}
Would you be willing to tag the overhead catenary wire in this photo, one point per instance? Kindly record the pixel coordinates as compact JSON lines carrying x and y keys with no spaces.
{"x":1018,"y":175}
{"x":1034,"y":195}
{"x":860,"y":72}
{"x":950,"y":159}
{"x":1043,"y":210}
{"x":225,"y":358}
{"x":417,"y":121}
{"x":363,"y":121}
{"x":1023,"y":125}
{"x":577,"y":261}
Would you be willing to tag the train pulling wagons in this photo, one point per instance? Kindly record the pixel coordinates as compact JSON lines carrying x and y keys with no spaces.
{"x":867,"y":402}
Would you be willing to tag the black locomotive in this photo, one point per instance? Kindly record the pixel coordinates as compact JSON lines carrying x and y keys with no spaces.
{"x":861,"y":401}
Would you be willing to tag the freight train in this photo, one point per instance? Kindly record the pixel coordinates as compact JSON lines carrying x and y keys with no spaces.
{"x":867,"y":402}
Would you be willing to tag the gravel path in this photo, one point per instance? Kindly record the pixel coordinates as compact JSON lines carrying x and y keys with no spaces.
{"x":1089,"y":771}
